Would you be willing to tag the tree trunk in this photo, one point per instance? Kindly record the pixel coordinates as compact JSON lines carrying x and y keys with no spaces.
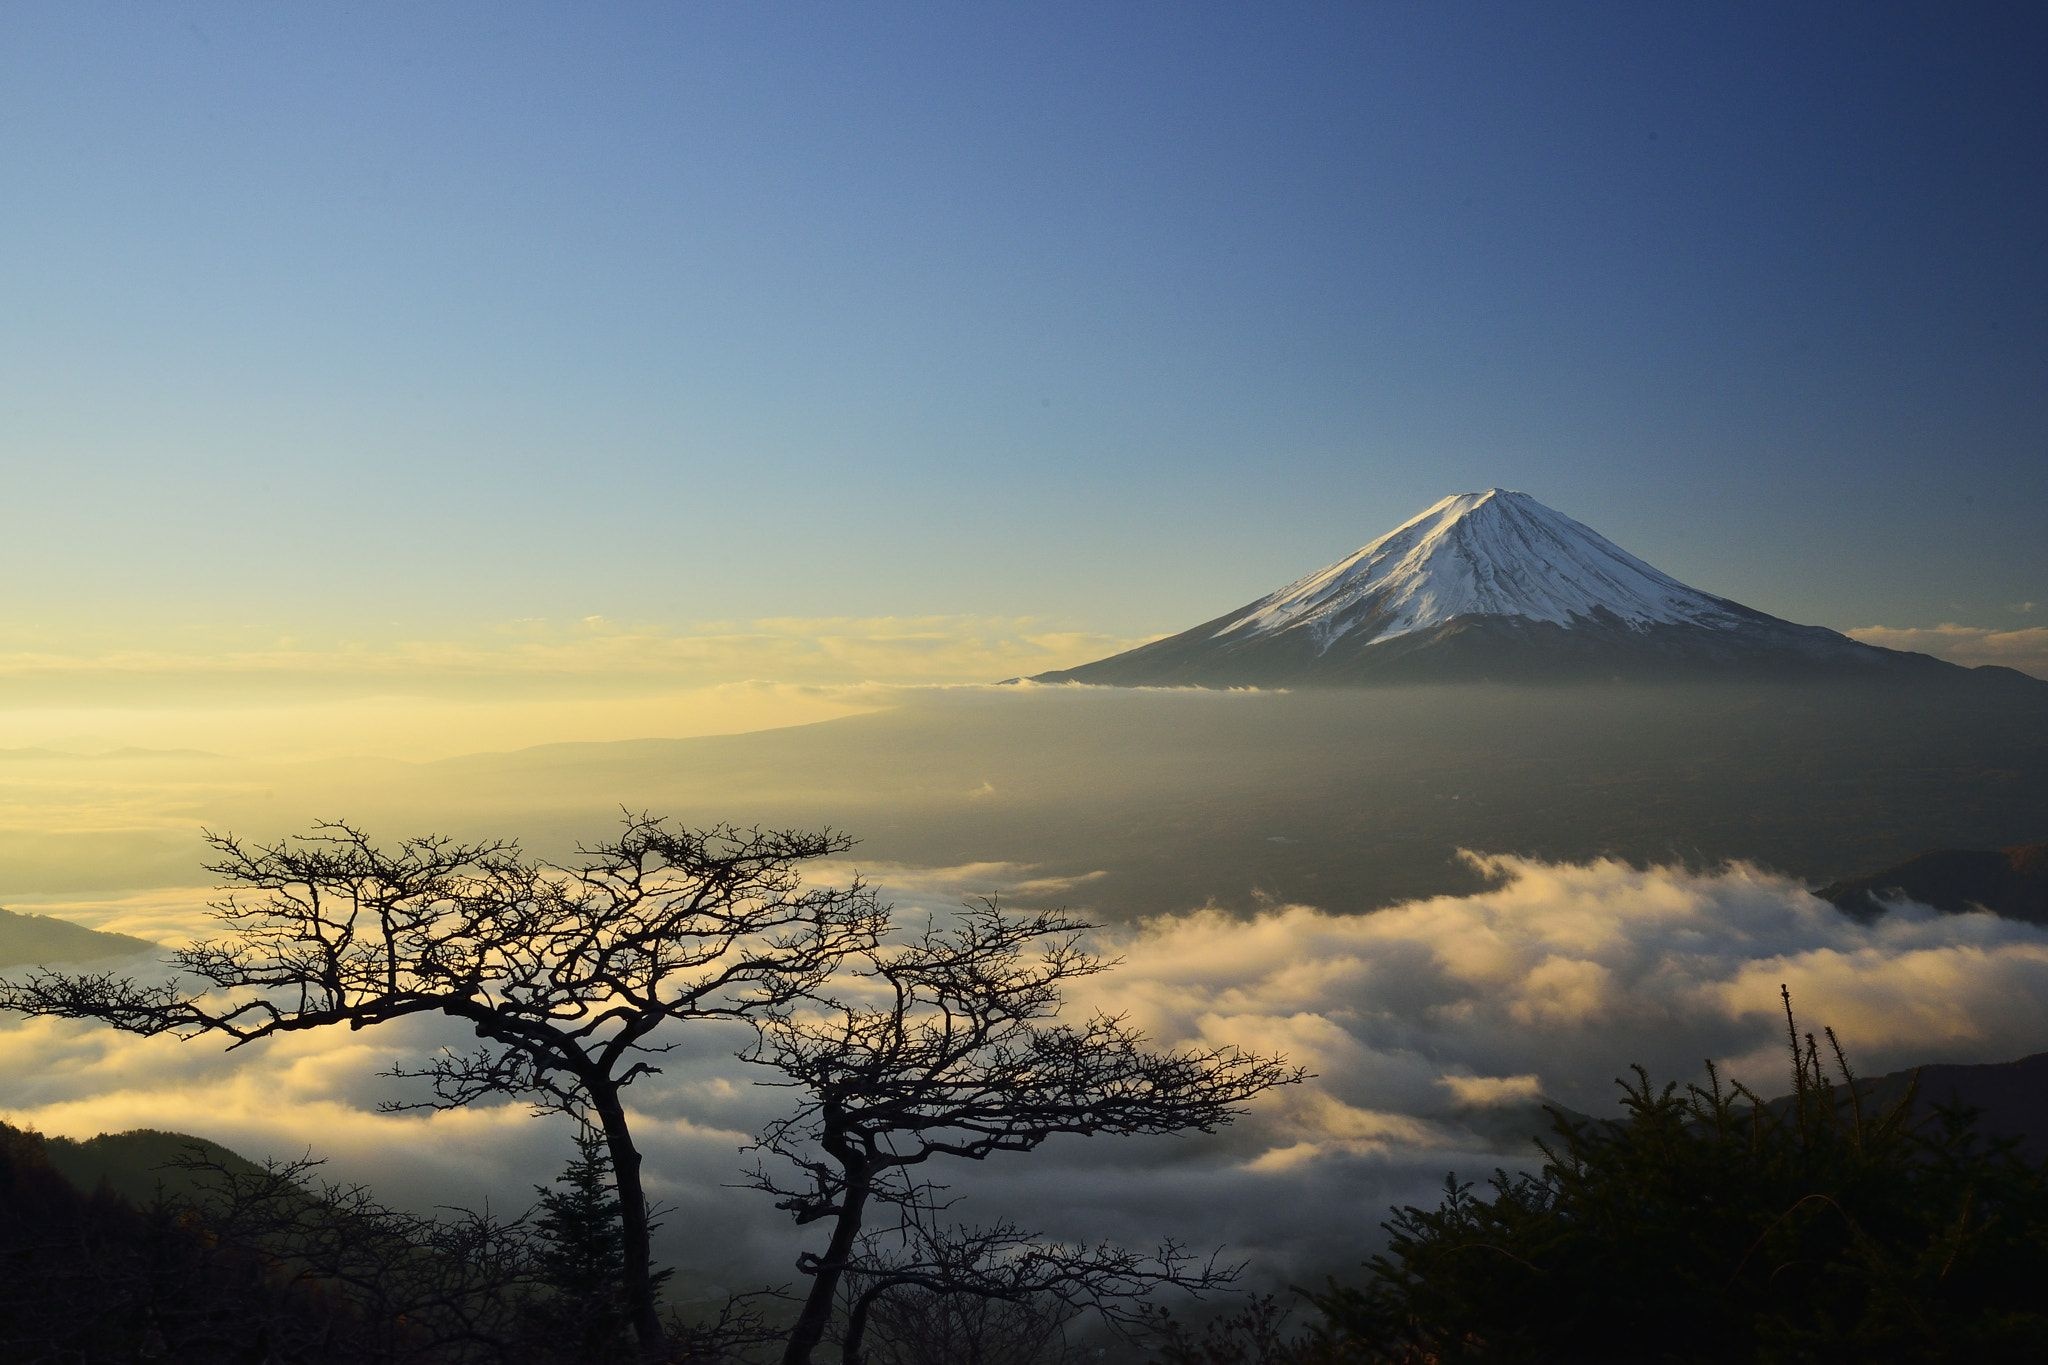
{"x":817,"y":1311}
{"x":639,"y":1286}
{"x":853,"y":1352}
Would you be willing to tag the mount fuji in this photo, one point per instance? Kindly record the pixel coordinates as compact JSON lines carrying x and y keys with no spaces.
{"x":1495,"y":586}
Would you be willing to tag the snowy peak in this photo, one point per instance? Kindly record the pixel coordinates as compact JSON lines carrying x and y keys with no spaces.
{"x":1495,"y":587}
{"x":1493,"y":554}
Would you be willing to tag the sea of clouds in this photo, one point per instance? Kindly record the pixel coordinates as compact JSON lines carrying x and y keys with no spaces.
{"x":1431,"y":1028}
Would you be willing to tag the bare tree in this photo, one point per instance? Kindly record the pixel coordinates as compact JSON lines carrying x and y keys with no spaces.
{"x":932,"y":1294}
{"x":455,"y":1287}
{"x":438,"y":1289}
{"x":948,"y":1044}
{"x":567,"y":975}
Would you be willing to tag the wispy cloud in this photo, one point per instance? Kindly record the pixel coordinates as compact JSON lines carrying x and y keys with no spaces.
{"x":2025,"y":648}
{"x":839,"y":649}
{"x":518,"y":683}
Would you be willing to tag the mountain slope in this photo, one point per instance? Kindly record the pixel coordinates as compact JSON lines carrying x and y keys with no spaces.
{"x":2012,"y":882}
{"x":29,"y":940}
{"x":1492,"y":586}
{"x":1481,"y":554}
{"x":142,"y":1163}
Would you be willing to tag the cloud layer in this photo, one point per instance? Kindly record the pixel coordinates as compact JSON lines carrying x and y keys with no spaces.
{"x":1431,"y":1026}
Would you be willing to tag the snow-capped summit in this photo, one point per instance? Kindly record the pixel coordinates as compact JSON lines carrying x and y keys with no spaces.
{"x":1489,"y":585}
{"x":1497,"y":553}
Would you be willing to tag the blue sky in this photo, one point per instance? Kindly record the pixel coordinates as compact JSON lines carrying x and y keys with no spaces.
{"x":410,"y":319}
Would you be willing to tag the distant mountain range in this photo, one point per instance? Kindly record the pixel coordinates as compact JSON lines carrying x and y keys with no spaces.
{"x":2011,"y":882}
{"x":1495,"y":586}
{"x":2009,"y":1101}
{"x":144,"y":1163}
{"x":31,"y":940}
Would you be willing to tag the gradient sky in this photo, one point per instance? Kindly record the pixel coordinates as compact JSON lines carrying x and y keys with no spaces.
{"x":402,"y":322}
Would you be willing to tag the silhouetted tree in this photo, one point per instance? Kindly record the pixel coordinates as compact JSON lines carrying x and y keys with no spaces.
{"x":246,"y":1265}
{"x":438,"y":1289}
{"x":932,"y":1294}
{"x":87,"y":1276}
{"x":580,"y":1260}
{"x":453,"y":1287}
{"x":949,"y":1044}
{"x":1260,"y":1333}
{"x":1707,"y":1225}
{"x":567,"y":975}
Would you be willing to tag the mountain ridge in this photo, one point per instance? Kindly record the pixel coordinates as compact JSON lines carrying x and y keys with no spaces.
{"x":2011,"y":882}
{"x":1474,"y":554}
{"x":34,"y":940}
{"x":1495,"y":586}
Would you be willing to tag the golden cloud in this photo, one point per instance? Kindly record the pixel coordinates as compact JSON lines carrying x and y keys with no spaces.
{"x":2025,"y":649}
{"x":515,"y":684}
{"x":833,"y":649}
{"x":1431,"y":1027}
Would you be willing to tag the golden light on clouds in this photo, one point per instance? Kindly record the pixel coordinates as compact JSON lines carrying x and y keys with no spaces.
{"x":515,"y":685}
{"x":1429,"y":1025}
{"x":2024,"y":648}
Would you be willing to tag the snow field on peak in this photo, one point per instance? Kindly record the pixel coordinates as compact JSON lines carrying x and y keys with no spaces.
{"x":1496,"y":553}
